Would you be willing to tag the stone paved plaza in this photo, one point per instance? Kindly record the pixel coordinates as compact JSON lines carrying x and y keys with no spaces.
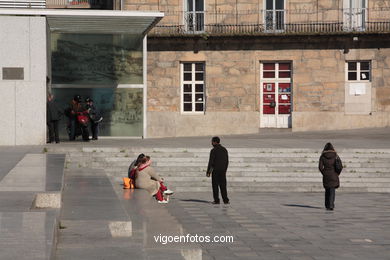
{"x":289,"y":225}
{"x":100,"y":220}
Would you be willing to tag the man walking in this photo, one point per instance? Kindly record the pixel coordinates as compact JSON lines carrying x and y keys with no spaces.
{"x":217,"y":167}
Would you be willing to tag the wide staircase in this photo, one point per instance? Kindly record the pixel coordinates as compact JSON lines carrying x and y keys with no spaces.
{"x":250,"y":169}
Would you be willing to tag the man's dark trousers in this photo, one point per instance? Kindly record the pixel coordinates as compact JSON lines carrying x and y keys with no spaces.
{"x":53,"y":131}
{"x":219,"y":180}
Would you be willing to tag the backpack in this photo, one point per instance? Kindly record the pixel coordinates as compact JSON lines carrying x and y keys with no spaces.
{"x":338,"y":165}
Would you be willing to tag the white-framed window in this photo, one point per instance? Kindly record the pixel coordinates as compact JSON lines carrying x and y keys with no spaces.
{"x":194,"y":15}
{"x":358,"y":71}
{"x":274,"y":16}
{"x":193,"y":87}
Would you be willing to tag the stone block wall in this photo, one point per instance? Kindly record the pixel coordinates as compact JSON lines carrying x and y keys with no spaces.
{"x":252,"y":11}
{"x":233,"y":90}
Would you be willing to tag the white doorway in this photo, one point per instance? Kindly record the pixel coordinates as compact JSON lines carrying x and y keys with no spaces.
{"x":275,"y":95}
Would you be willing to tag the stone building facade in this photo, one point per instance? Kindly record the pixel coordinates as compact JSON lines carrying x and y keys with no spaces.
{"x":306,"y":65}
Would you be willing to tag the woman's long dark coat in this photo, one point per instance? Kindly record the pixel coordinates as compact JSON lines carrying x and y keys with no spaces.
{"x":330,"y":178}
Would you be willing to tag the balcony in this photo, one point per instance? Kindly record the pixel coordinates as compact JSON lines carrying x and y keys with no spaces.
{"x":60,"y":4}
{"x":265,"y":22}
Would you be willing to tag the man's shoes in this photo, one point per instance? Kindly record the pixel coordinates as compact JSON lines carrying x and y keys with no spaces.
{"x":94,"y":138}
{"x":48,"y":142}
{"x":226,"y":202}
{"x":168,"y":192}
{"x":329,"y":208}
{"x":163,"y":201}
{"x":215,"y":202}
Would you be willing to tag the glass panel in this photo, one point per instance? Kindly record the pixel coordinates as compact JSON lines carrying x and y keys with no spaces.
{"x":269,"y":66}
{"x":284,"y":66}
{"x":190,"y":21}
{"x":279,"y":4}
{"x":352,"y":66}
{"x":284,"y":74}
{"x":187,"y":66}
{"x":199,"y":107}
{"x":269,"y":5}
{"x":364,"y":66}
{"x":188,"y":97}
{"x":199,"y":66}
{"x":352,"y":76}
{"x":188,"y":107}
{"x":198,"y":76}
{"x":269,"y":20}
{"x":284,"y":109}
{"x":284,"y":98}
{"x":199,"y":23}
{"x":188,"y":76}
{"x":96,"y":59}
{"x":121,"y":109}
{"x":198,"y":97}
{"x":268,"y":74}
{"x":269,"y":87}
{"x":199,"y":5}
{"x":364,"y":76}
{"x":187,"y":88}
{"x":199,"y":88}
{"x":267,"y":110}
{"x":190,"y":5}
{"x":284,"y":87}
{"x":279,"y":20}
{"x":268,"y":98}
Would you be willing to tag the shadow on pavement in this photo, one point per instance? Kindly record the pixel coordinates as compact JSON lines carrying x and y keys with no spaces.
{"x":200,"y":201}
{"x":301,"y":206}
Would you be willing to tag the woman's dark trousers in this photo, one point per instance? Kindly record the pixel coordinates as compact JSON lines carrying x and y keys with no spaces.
{"x":219,"y":180}
{"x":330,"y":194}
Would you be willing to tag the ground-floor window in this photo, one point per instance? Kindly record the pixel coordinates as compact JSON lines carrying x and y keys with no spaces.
{"x":193,"y":87}
{"x":358,"y":71}
{"x":105,"y":68}
{"x":275,"y":94}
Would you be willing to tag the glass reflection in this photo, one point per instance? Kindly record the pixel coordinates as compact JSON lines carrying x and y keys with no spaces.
{"x":121,"y":108}
{"x":96,"y":59}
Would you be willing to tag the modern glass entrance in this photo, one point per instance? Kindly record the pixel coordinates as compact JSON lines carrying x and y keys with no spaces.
{"x":107,"y":68}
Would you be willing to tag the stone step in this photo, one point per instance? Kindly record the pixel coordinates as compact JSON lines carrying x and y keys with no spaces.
{"x":250,"y":160}
{"x":261,"y":172}
{"x":280,"y":184}
{"x":313,"y":172}
{"x":233,"y":168}
{"x":200,"y":155}
{"x":281,"y":189}
{"x":280,"y":179}
{"x":252,"y":169}
{"x":138,"y":150}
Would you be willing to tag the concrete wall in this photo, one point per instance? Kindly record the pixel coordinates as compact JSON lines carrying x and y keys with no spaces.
{"x":23,"y":109}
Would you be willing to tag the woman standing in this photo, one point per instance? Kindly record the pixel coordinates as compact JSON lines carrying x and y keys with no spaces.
{"x":329,"y":166}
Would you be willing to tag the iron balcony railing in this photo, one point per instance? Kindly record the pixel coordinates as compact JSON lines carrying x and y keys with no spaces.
{"x":274,"y":21}
{"x":53,"y":3}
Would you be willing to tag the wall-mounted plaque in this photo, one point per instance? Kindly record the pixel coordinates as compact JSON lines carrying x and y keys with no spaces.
{"x":13,"y":73}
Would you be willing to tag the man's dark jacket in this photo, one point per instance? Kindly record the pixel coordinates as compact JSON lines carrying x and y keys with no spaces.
{"x":219,"y":160}
{"x":53,"y":113}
